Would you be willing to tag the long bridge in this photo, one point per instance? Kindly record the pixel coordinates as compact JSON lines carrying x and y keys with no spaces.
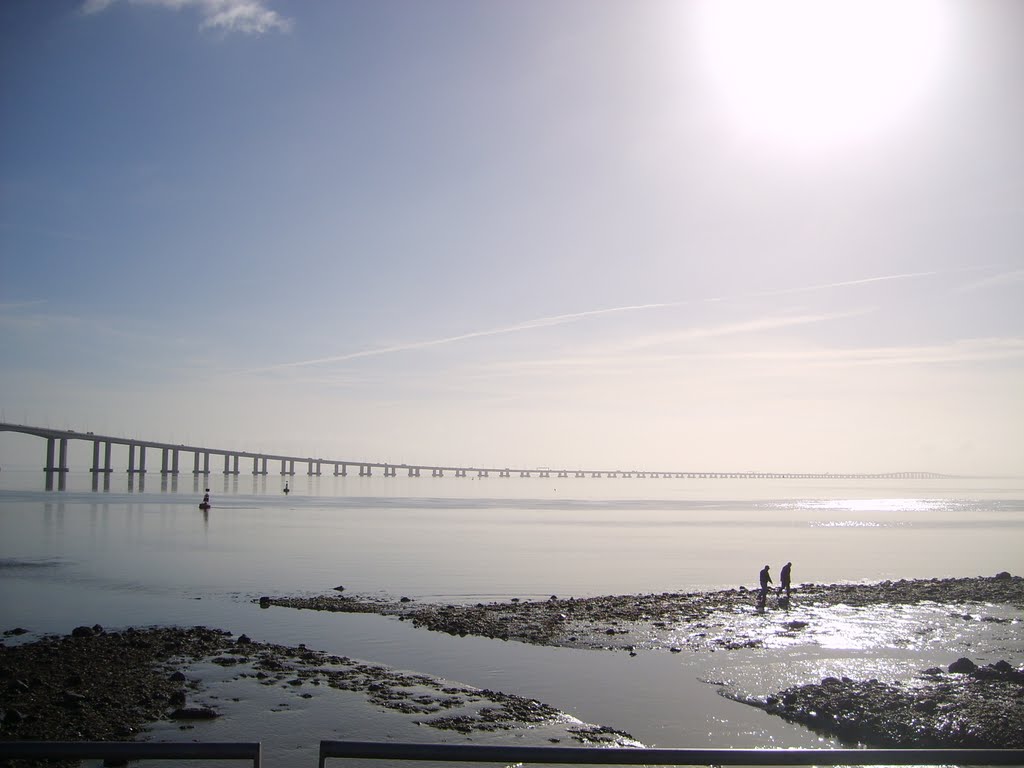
{"x":171,"y":462}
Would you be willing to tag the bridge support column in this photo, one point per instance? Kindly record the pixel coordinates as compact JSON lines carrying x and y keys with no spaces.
{"x":206,"y":463}
{"x":505,"y":473}
{"x":95,"y":457}
{"x":51,"y":444}
{"x":482,"y":473}
{"x":106,"y":458}
{"x":437,"y":473}
{"x":174,"y":461}
{"x":234,"y":470}
{"x":414,"y":471}
{"x":163,"y":461}
{"x":195,"y":462}
{"x":131,"y":458}
{"x":142,"y":459}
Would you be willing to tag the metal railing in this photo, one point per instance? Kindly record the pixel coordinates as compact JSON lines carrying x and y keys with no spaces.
{"x":596,"y":756}
{"x":130,"y":750}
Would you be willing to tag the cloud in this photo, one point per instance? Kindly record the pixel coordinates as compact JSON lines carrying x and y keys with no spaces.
{"x":1003,"y":278}
{"x":541,"y":322}
{"x":755,"y":326}
{"x":251,"y":17}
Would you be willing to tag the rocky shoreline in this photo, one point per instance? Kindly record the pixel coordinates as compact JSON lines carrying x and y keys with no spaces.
{"x":962,"y":707}
{"x":622,"y":622}
{"x":94,"y":685}
{"x":100,"y":685}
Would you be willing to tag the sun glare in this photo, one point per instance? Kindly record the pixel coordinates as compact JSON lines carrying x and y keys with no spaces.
{"x":819,"y":73}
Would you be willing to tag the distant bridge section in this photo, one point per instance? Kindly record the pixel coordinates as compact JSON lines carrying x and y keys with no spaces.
{"x":56,"y":461}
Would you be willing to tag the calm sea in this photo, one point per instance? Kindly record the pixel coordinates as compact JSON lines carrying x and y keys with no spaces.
{"x":143,"y":553}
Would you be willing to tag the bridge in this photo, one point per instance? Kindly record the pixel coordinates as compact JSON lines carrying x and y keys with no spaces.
{"x":56,"y":461}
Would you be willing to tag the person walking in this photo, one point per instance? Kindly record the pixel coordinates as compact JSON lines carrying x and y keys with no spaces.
{"x":766,"y":579}
{"x":784,"y":578}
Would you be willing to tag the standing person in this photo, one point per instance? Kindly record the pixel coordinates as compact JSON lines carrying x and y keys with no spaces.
{"x":784,"y":578}
{"x":766,"y":579}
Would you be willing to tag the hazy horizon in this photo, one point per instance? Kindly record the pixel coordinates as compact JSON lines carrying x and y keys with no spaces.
{"x":783,"y":236}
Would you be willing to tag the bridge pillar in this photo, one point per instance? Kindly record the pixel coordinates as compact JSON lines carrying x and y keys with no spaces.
{"x":437,"y":473}
{"x":414,"y":471}
{"x":63,"y":455}
{"x":524,"y":473}
{"x":227,"y":464}
{"x":51,"y":444}
{"x":234,"y":470}
{"x":206,"y":463}
{"x":106,"y":458}
{"x":142,"y":459}
{"x":174,"y":461}
{"x":505,"y":473}
{"x":163,"y":460}
{"x":95,"y":457}
{"x":581,"y":474}
{"x":131,"y":458}
{"x":460,"y":473}
{"x":195,"y":462}
{"x":482,"y":473}
{"x":563,"y":473}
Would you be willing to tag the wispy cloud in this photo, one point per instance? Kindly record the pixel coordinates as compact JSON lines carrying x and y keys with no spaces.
{"x":1003,"y":278}
{"x":762,"y":324}
{"x":757,"y":325}
{"x":251,"y":17}
{"x":541,"y":322}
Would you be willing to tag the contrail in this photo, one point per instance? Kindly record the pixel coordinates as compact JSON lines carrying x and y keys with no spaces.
{"x":541,"y":322}
{"x":544,"y":322}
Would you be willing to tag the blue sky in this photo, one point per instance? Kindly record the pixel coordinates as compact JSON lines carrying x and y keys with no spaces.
{"x":664,"y":235}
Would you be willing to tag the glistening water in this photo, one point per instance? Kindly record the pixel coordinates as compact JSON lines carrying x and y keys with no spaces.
{"x":143,"y":554}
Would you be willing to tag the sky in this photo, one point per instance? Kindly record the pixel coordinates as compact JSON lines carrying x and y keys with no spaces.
{"x":670,"y":236}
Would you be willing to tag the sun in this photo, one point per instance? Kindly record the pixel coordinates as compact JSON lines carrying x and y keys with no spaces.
{"x":821,"y":73}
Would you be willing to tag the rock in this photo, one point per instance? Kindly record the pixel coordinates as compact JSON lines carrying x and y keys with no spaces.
{"x":926,"y":705}
{"x":82,"y":632}
{"x":264,"y":602}
{"x":962,"y":666}
{"x":795,"y":625}
{"x":97,"y":629}
{"x":15,"y":631}
{"x":339,"y":588}
{"x":178,"y":677}
{"x":194,"y":713}
{"x":1004,"y":575}
{"x":405,"y":600}
{"x":13,"y":716}
{"x":244,"y":640}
